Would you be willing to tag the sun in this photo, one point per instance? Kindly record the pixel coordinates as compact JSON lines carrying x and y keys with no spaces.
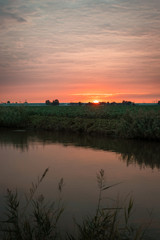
{"x":95,"y":101}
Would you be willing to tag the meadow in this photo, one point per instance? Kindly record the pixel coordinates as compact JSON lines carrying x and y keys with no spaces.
{"x":136,"y":122}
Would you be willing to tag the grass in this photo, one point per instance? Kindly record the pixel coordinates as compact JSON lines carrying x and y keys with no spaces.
{"x":137,"y":122}
{"x":37,"y":220}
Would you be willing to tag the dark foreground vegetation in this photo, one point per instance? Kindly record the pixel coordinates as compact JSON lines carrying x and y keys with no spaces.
{"x":37,"y":220}
{"x":139,"y":122}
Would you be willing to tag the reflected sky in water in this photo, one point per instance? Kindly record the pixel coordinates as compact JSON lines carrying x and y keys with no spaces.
{"x":136,"y":164}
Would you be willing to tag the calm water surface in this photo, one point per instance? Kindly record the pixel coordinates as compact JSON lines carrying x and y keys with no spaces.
{"x":136,"y":164}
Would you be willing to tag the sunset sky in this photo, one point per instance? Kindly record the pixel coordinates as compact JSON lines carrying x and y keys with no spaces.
{"x":79,"y":50}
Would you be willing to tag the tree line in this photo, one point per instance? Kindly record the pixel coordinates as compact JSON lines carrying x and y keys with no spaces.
{"x":53,"y":103}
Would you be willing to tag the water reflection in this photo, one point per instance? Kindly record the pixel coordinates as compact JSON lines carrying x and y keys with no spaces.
{"x":25,"y":154}
{"x":143,"y":153}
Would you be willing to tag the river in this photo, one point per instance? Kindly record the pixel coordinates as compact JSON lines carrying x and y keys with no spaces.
{"x":24,"y":155}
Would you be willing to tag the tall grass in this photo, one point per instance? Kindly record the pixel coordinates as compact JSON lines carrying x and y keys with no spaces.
{"x":140,"y":122}
{"x":37,"y":220}
{"x":109,"y":223}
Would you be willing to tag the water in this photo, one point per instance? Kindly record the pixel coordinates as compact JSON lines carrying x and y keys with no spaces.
{"x":25,"y":155}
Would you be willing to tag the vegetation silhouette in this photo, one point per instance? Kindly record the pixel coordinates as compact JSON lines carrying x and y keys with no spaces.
{"x":53,"y":103}
{"x":41,"y":220}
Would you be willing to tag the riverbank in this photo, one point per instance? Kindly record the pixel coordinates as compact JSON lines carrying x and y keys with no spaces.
{"x":136,"y":122}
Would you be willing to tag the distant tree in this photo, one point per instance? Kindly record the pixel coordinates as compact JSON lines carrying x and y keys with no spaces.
{"x":48,"y":102}
{"x":102,"y":103}
{"x":114,"y":103}
{"x":55,"y":102}
{"x":159,"y":102}
{"x":89,"y":104}
{"x":8,"y":102}
{"x":80,"y":104}
{"x":127,"y":103}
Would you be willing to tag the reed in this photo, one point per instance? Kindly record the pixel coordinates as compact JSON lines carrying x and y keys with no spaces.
{"x":139,"y":122}
{"x":109,"y":223}
{"x":37,"y":220}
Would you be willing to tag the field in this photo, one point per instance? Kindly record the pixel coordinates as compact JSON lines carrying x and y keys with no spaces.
{"x":140,"y":122}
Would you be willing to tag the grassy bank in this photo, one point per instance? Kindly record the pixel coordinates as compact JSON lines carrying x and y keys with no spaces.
{"x":141,"y":122}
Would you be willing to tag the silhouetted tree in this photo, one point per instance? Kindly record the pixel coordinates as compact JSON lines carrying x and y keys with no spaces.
{"x":127,"y":103}
{"x":80,"y":104}
{"x":102,"y":103}
{"x":48,"y":102}
{"x":159,"y":102}
{"x":55,"y":102}
{"x":89,"y":104}
{"x":8,"y":101}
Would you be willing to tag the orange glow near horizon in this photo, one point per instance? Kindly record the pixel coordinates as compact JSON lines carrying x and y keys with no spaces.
{"x":95,"y":101}
{"x":77,"y":93}
{"x":40,"y":96}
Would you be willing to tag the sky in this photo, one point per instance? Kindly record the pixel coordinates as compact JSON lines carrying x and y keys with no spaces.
{"x":79,"y":50}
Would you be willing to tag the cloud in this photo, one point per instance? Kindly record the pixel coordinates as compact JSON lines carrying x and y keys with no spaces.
{"x":11,"y":16}
{"x":138,"y":96}
{"x":105,"y":41}
{"x":93,"y":94}
{"x":9,"y":13}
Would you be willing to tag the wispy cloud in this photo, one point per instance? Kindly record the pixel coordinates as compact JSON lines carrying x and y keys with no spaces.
{"x":93,"y":94}
{"x":107,"y":43}
{"x":7,"y":15}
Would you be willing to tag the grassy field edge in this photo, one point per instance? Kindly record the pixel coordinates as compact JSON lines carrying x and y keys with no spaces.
{"x":136,"y":122}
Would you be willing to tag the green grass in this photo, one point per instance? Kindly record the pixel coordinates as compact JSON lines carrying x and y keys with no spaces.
{"x":37,"y":220}
{"x":140,"y":122}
